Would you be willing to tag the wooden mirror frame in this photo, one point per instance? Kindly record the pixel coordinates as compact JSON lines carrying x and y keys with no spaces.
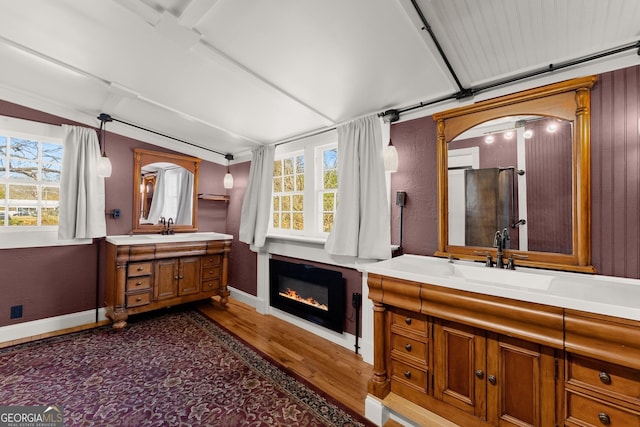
{"x":568,"y":100}
{"x":145,"y":157}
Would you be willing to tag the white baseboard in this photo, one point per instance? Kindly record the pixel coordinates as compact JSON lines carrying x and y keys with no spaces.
{"x":50,"y":324}
{"x":375,"y":411}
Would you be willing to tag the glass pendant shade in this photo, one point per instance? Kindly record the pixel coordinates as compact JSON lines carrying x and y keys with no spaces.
{"x":103,"y":166}
{"x":390,"y":155}
{"x":228,"y":180}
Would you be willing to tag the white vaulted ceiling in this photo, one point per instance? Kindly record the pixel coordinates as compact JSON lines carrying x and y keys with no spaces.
{"x":230,"y":75}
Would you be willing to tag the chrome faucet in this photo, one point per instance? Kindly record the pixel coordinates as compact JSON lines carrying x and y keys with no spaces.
{"x":500,"y":242}
{"x":163,"y":221}
{"x":169,"y":230}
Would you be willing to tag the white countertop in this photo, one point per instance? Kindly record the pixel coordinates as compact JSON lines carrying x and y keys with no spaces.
{"x":147,"y":239}
{"x":606,"y":295}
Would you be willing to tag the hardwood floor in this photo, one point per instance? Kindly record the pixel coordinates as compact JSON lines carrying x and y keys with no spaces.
{"x":335,"y":370}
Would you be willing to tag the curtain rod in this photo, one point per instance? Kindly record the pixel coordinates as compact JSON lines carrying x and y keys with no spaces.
{"x":549,"y":69}
{"x":103,"y":117}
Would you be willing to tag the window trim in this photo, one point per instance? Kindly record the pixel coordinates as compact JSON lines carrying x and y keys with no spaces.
{"x":33,"y":236}
{"x":308,"y":147}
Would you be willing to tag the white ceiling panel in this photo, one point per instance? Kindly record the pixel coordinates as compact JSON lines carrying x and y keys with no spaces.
{"x":344,"y":59}
{"x":493,"y":39}
{"x":230,"y":75}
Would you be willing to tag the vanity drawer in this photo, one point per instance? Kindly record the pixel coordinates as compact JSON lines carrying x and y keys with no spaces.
{"x":604,"y":377}
{"x":210,"y":285}
{"x":405,"y":373}
{"x":211,"y":260}
{"x":584,"y":411}
{"x":139,"y":269}
{"x":409,"y":321}
{"x":210,"y":273}
{"x":138,"y":283}
{"x":136,"y":300}
{"x":401,"y":345}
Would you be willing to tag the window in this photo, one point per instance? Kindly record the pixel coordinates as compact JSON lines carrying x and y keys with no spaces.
{"x":288,"y":193}
{"x":329,"y":188}
{"x":30,"y":169}
{"x":305,"y":182}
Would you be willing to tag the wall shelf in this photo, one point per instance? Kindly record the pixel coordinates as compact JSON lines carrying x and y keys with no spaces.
{"x":214,"y":197}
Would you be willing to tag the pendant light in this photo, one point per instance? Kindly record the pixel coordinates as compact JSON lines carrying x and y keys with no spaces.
{"x":228,"y":178}
{"x":390,"y":154}
{"x":103,"y":165}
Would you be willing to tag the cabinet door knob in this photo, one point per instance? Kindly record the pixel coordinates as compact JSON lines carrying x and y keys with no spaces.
{"x":176,"y":277}
{"x":604,"y":377}
{"x":604,"y":418}
{"x":407,"y":347}
{"x":492,"y":379}
{"x":480,"y":374}
{"x":139,"y":299}
{"x":407,"y":320}
{"x":407,"y":374}
{"x":138,"y":283}
{"x":140,"y":268}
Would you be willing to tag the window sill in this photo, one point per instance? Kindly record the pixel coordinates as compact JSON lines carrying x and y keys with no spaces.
{"x":35,"y":239}
{"x":294,"y":238}
{"x":312,"y":249}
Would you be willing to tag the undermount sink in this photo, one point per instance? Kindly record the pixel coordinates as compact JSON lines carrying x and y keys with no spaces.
{"x":138,"y":239}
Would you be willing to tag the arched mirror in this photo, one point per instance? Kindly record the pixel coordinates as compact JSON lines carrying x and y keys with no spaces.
{"x":165,"y":186}
{"x":519,"y":166}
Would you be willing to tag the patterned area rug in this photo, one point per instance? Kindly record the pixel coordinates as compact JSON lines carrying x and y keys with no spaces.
{"x":177,"y":368}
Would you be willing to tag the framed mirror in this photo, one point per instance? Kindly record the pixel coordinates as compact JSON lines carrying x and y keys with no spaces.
{"x":518,"y":165}
{"x":165,"y":186}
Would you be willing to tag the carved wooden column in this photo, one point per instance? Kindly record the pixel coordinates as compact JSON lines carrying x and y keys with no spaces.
{"x":582,"y":168}
{"x":224,"y":291}
{"x":379,"y":384}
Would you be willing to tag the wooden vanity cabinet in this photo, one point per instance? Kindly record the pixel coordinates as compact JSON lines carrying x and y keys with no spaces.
{"x":409,"y":355}
{"x":488,"y":360}
{"x":602,"y":370}
{"x":496,"y":378}
{"x":147,"y":277}
{"x":177,"y":276}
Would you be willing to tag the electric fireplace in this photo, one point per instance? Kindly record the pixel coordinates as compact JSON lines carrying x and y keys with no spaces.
{"x":311,"y":293}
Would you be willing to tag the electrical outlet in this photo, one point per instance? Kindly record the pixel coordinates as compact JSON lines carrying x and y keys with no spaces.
{"x":356,"y":300}
{"x":116,"y":213}
{"x":401,"y":198}
{"x":16,"y":312}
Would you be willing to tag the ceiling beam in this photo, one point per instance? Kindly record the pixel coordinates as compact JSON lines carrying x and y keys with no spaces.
{"x":195,"y":11}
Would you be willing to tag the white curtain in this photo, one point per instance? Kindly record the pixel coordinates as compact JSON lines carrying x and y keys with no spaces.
{"x":256,"y":206}
{"x":158,"y":201}
{"x":362,"y":224}
{"x":185,"y":198}
{"x":82,"y":214}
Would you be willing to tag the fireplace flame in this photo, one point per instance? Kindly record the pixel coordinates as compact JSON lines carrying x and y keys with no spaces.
{"x":291,"y":294}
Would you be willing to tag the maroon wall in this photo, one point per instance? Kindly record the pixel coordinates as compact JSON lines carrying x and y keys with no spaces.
{"x":243,"y":261}
{"x":615,"y":173}
{"x":415,"y":141}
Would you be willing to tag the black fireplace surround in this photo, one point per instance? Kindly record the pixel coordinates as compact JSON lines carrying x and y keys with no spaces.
{"x":311,"y":293}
